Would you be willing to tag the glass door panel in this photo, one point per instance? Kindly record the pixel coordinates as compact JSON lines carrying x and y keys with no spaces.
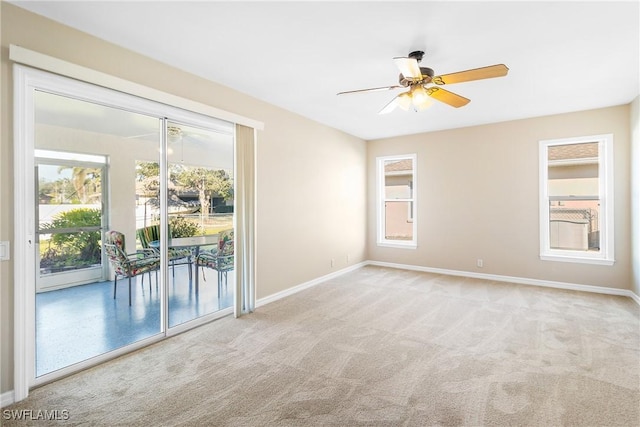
{"x":87,"y":186}
{"x":200,"y":218}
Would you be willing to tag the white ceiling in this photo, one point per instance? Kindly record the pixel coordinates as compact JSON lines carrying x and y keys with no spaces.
{"x":562,"y":56}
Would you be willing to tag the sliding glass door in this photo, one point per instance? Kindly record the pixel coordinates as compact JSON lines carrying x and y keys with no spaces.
{"x":85,"y":156}
{"x":199,"y":213}
{"x":133,"y":208}
{"x":199,"y":208}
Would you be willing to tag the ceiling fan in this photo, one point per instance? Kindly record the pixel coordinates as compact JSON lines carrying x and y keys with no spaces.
{"x":176,"y":133}
{"x":424,"y":85}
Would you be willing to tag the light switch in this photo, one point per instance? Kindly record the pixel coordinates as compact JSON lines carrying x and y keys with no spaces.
{"x":4,"y":250}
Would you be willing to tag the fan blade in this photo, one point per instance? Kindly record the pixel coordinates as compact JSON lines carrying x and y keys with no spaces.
{"x":373,"y":89}
{"x":409,"y":68}
{"x":403,"y":101}
{"x":489,"y":72}
{"x":390,"y":106}
{"x":448,"y":97}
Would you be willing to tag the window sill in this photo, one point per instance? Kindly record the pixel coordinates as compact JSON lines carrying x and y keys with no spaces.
{"x":577,"y":259}
{"x":398,"y":245}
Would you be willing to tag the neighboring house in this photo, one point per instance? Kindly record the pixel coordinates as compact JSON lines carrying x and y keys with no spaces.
{"x":573,"y":182}
{"x":398,"y":185}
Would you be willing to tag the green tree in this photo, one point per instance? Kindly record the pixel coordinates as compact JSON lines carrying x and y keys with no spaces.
{"x":84,"y":179}
{"x":148,"y":175}
{"x":146,"y":170}
{"x":208,"y":182}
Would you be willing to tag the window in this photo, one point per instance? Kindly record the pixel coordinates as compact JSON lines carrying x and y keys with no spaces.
{"x":396,"y":184}
{"x":576,"y":199}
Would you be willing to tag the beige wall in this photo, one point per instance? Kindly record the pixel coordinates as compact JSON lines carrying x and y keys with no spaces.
{"x":635,"y":194}
{"x":311,"y":179}
{"x":478,"y":198}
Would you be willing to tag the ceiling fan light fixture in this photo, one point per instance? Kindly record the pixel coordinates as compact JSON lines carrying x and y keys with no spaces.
{"x":420,"y":97}
{"x":174,"y":133}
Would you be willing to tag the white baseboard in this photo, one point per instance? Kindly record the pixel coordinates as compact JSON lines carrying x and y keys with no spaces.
{"x":475,"y":275}
{"x":305,"y":285}
{"x":511,"y":279}
{"x":6,"y":399}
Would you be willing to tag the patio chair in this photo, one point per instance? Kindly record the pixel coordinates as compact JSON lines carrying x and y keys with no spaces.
{"x":177,"y":256}
{"x":128,"y":265}
{"x":219,"y":259}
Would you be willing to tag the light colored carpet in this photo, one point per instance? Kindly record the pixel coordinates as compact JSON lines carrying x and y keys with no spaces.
{"x":379,"y":347}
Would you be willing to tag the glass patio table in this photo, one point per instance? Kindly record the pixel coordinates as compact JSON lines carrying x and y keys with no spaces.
{"x":195,"y":242}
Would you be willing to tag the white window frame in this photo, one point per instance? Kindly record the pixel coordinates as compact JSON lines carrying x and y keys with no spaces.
{"x":605,"y":256}
{"x":381,"y":200}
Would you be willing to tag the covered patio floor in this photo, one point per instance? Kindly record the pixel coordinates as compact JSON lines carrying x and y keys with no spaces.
{"x":81,"y":322}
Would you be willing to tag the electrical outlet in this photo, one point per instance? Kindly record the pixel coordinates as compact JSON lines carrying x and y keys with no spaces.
{"x":480,"y":263}
{"x":348,"y":258}
{"x":333,"y":262}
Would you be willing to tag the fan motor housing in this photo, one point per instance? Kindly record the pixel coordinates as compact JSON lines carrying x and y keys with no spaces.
{"x":427,"y":74}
